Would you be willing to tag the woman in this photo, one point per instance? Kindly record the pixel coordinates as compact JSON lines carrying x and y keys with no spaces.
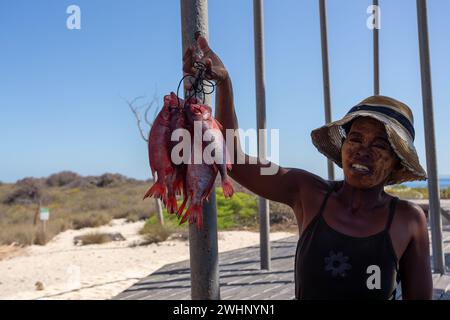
{"x":355,"y":239}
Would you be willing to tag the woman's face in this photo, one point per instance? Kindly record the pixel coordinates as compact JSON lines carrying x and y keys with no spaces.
{"x":367,"y":156}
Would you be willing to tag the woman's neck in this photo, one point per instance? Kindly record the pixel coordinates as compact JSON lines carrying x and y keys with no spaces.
{"x":361,"y":200}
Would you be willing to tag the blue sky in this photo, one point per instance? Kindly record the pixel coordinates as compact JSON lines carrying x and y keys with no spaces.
{"x":61,"y":90}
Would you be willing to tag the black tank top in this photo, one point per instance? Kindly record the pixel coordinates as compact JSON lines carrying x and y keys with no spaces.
{"x":333,"y":265}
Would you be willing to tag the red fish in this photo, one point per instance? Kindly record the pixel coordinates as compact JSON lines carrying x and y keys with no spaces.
{"x":175,"y":181}
{"x":159,"y":153}
{"x":212,"y":128}
{"x":199,"y":183}
{"x":200,"y":177}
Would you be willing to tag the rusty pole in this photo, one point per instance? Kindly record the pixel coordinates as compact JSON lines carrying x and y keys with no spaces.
{"x":430,"y":141}
{"x":264,"y":208}
{"x":376,"y":56}
{"x":326,"y":74}
{"x":203,"y":247}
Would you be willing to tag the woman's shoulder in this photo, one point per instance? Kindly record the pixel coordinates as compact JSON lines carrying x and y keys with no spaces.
{"x":410,"y":214}
{"x":310,"y":180}
{"x":314,"y":188}
{"x":306,"y":181}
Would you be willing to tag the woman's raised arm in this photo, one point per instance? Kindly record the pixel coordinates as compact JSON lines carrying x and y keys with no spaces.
{"x":282,"y":184}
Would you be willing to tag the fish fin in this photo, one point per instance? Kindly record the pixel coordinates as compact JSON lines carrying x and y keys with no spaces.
{"x":181,"y":208}
{"x":178,"y":186}
{"x":227,"y":188}
{"x":193,"y":213}
{"x":158,"y":190}
{"x":172,"y":205}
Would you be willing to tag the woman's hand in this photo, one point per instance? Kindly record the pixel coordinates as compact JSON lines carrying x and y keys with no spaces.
{"x":215,"y":70}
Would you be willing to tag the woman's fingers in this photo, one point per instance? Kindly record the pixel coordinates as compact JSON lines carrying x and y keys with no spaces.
{"x":208,"y":52}
{"x":215,"y":69}
{"x":189,"y":60}
{"x":203,"y":44}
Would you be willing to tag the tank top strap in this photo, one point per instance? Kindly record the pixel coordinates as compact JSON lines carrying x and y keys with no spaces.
{"x":325,"y":200}
{"x":392,"y":206}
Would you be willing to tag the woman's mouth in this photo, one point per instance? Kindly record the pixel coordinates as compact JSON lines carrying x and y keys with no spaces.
{"x":360,"y":168}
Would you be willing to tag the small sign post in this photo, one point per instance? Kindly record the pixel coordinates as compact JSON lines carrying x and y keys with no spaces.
{"x":44,"y":214}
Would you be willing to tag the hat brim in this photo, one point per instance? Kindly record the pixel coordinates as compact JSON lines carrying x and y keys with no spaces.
{"x":328,"y":140}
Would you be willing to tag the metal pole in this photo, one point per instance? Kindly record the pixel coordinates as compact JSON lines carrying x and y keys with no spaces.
{"x":326,"y":74}
{"x":430,"y":144}
{"x":376,"y":56}
{"x":264,"y":209}
{"x":204,"y":258}
{"x":159,"y":211}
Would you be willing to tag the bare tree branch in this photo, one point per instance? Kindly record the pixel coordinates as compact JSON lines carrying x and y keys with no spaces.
{"x":138,"y":116}
{"x":146,"y":113}
{"x":135,"y":110}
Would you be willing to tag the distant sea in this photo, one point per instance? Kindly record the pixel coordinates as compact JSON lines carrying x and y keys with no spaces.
{"x":443,"y":183}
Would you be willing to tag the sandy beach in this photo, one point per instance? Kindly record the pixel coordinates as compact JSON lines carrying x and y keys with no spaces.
{"x":100,"y":271}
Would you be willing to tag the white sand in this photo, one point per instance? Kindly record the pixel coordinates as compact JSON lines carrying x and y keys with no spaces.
{"x":98,"y":271}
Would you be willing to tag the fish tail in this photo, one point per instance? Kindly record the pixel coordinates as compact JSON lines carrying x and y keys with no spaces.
{"x":158,"y":190}
{"x":227,"y":188}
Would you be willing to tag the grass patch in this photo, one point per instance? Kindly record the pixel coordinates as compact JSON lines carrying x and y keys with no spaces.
{"x":414,"y":193}
{"x":154,"y":233}
{"x":406,"y":192}
{"x":77,"y":208}
{"x":90,"y":221}
{"x":240,"y":211}
{"x":94,"y":238}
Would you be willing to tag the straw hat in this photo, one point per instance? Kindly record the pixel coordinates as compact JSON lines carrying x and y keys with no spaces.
{"x":399,"y":123}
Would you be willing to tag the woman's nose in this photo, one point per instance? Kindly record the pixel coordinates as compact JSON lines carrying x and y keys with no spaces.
{"x":364,"y":153}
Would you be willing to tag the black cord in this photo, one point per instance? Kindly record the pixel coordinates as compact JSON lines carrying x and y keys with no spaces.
{"x":198,"y":83}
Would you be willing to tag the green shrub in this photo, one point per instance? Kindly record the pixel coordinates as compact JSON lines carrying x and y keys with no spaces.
{"x":90,"y":221}
{"x":237,"y":211}
{"x":28,"y":191}
{"x":22,"y":234}
{"x":445,"y":193}
{"x":62,"y":178}
{"x":154,"y":233}
{"x":406,"y":192}
{"x":136,"y":214}
{"x":94,"y":238}
{"x":40,"y":238}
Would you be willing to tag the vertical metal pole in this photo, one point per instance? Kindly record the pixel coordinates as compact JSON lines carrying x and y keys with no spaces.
{"x":430,"y":144}
{"x":204,"y":259}
{"x":376,"y":56}
{"x":326,"y":74}
{"x":159,"y":211}
{"x":264,"y":209}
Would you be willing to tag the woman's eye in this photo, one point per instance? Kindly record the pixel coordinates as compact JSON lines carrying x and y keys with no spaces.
{"x":380,"y":146}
